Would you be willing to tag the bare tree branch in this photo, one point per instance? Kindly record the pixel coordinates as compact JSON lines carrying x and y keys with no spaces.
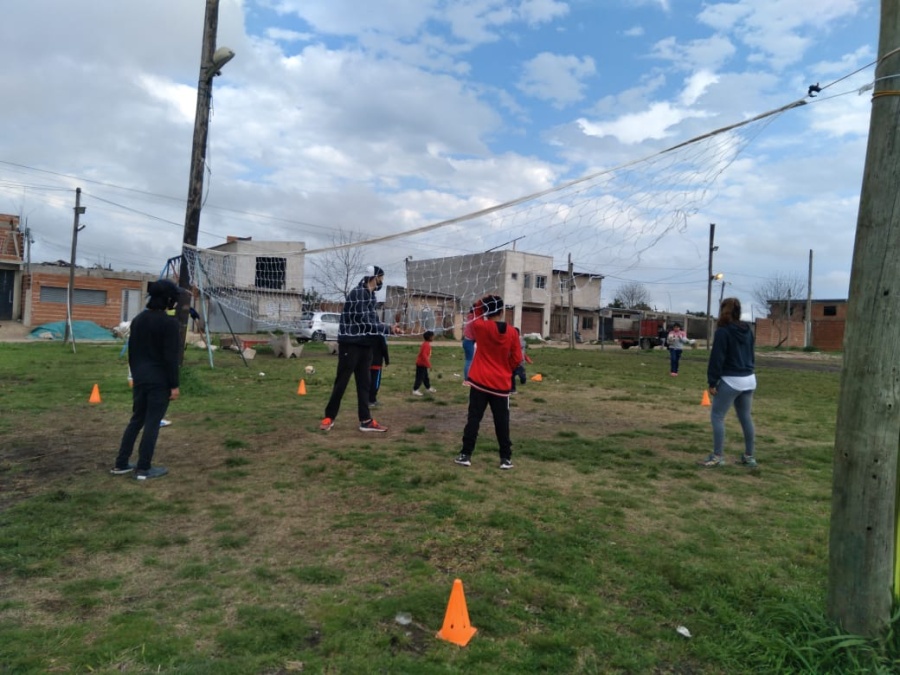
{"x":633,"y":295}
{"x":338,"y":271}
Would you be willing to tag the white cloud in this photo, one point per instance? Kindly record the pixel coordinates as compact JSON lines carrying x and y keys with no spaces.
{"x":696,"y":85}
{"x":655,"y":123}
{"x":711,"y":53}
{"x":778,"y":31}
{"x":282,"y":35}
{"x":556,"y":78}
{"x":541,"y":11}
{"x":634,"y":31}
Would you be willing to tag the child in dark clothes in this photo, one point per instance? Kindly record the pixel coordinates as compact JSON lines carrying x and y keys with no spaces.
{"x":379,"y":359}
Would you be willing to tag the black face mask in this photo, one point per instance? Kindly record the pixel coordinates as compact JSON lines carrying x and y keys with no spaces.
{"x":379,"y":282}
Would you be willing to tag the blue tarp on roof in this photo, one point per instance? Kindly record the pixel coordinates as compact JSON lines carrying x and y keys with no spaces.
{"x":81,"y":330}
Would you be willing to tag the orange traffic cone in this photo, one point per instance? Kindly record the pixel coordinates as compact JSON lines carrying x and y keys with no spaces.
{"x":705,"y":399}
{"x":301,"y":390}
{"x":95,"y":395}
{"x":456,"y":627}
{"x":537,"y":378}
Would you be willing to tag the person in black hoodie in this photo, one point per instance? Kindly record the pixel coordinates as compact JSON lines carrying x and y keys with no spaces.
{"x":358,"y":330}
{"x":732,"y":380}
{"x":153,"y":347}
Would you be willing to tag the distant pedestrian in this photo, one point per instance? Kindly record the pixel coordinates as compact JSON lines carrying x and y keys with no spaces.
{"x":731,"y":378}
{"x":380,"y":358}
{"x":468,"y":343}
{"x":676,"y":341}
{"x":358,"y":329}
{"x":423,"y":363}
{"x":497,"y":355}
{"x":154,"y":346}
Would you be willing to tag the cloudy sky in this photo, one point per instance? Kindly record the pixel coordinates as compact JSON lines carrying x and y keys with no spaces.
{"x":377,"y":117}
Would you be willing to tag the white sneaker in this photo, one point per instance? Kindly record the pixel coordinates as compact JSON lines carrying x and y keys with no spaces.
{"x":432,"y":390}
{"x":416,"y":392}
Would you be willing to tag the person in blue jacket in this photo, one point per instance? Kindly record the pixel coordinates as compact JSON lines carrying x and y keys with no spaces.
{"x":731,"y":377}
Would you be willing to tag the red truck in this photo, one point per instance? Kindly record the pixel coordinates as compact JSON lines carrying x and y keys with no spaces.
{"x":645,"y":333}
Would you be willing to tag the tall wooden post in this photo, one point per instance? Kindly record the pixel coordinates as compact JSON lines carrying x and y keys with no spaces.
{"x":70,"y":294}
{"x":709,"y":282}
{"x":571,"y":317}
{"x":198,"y":161}
{"x":861,"y":544}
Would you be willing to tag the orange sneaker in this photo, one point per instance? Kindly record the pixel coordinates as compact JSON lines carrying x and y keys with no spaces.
{"x":326,"y":424}
{"x":371,"y":425}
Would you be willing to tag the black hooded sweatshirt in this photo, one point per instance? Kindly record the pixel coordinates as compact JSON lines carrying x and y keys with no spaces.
{"x":732,"y":353}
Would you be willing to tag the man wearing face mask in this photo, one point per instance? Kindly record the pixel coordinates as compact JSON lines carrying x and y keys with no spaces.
{"x":153,"y":349}
{"x":359,"y":328}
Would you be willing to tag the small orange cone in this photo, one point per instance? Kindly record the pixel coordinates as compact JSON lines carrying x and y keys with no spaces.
{"x":457,"y":628}
{"x":705,"y":399}
{"x":95,"y":395}
{"x":301,"y":390}
{"x":537,"y":378}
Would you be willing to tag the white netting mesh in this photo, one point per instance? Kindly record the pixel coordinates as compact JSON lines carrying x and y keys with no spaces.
{"x":435,"y":272}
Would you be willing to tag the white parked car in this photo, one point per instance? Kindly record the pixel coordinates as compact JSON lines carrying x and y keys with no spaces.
{"x":319,"y":326}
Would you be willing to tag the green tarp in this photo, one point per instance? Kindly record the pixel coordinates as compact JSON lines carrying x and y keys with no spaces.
{"x":82,"y":330}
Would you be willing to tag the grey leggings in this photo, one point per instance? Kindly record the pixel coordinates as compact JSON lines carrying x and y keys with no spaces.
{"x":743,"y":403}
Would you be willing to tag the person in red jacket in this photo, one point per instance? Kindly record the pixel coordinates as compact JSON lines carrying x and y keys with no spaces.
{"x":423,"y":363}
{"x":497,"y":355}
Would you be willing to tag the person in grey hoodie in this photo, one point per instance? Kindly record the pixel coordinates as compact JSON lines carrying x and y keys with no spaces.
{"x":731,"y":377}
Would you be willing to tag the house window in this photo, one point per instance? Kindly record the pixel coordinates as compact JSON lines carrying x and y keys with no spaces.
{"x":564,"y":283}
{"x":829,"y":310}
{"x":80,"y":296}
{"x":527,"y":282}
{"x":270,"y":272}
{"x":540,"y":281}
{"x":514,"y":275}
{"x":587,"y":323}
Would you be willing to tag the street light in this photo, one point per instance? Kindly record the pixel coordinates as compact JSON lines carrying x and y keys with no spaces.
{"x":211,"y":62}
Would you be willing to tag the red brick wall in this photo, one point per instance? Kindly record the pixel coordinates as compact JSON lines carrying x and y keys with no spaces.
{"x":767,"y":333}
{"x":107,"y":316}
{"x":827,"y":334}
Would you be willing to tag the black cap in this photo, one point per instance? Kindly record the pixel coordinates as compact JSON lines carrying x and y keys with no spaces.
{"x":162,"y":288}
{"x":493,"y":304}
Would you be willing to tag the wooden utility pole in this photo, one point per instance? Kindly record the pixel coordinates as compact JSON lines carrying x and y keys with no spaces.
{"x":198,"y":160}
{"x":709,"y":283}
{"x":807,"y":339}
{"x":864,"y":491}
{"x":70,"y":296}
{"x":571,"y":318}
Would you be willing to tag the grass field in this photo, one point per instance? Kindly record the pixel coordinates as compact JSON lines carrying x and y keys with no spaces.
{"x":272,"y":547}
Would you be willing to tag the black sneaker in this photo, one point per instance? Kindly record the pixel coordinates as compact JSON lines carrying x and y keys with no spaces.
{"x":506,"y":464}
{"x":116,"y":471}
{"x":155,"y":472}
{"x":463,"y":460}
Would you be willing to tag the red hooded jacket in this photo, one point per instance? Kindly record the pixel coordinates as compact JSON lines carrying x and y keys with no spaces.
{"x":497,"y":354}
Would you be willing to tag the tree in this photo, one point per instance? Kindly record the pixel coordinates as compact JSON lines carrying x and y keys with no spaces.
{"x":311,"y":299}
{"x":632,"y":295}
{"x":781,"y":295}
{"x":338,"y":271}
